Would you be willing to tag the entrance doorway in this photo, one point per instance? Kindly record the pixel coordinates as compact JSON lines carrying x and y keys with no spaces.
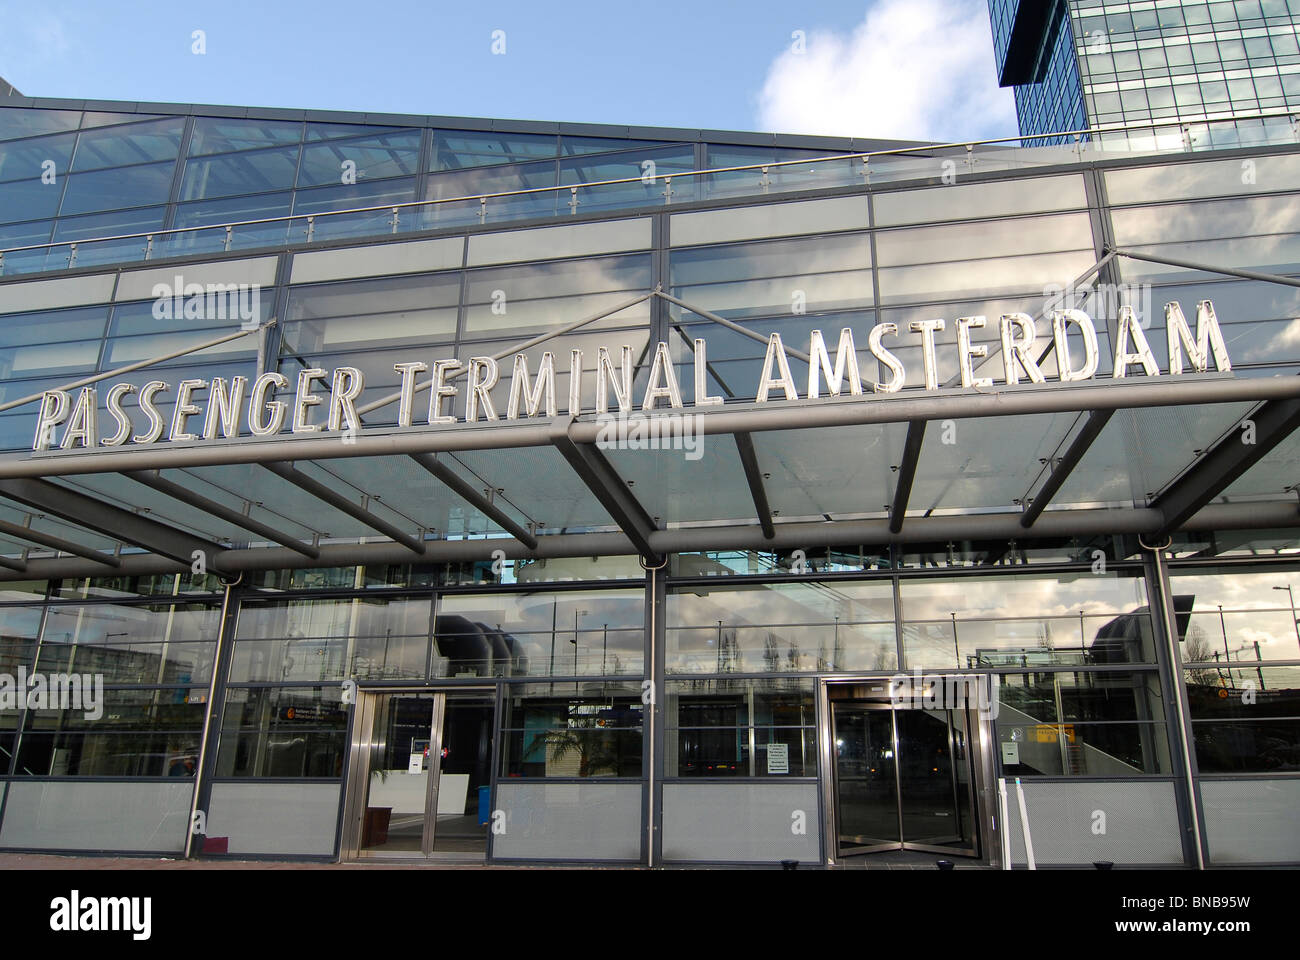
{"x":420,"y":774}
{"x":904,"y":778}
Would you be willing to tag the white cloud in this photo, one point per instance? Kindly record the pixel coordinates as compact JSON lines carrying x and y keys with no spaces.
{"x":913,"y":69}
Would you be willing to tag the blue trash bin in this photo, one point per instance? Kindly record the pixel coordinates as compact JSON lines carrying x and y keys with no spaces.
{"x":484,"y":803}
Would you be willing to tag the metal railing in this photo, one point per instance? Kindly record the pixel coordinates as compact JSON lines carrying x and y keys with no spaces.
{"x":1171,"y":135}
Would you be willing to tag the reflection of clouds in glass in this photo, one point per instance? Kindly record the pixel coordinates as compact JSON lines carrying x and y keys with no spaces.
{"x":1037,"y":597}
{"x":1280,"y":343}
{"x":1236,"y":591}
{"x":538,"y":612}
{"x":814,"y":602}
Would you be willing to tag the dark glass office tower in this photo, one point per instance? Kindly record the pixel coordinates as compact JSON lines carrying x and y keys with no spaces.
{"x":1077,"y":63}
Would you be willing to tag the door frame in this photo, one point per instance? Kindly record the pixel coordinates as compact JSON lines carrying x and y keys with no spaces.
{"x":361,"y":749}
{"x":981,"y":742}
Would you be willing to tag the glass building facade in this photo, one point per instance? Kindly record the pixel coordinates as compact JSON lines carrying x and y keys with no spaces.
{"x":1102,"y":63}
{"x":827,"y":631}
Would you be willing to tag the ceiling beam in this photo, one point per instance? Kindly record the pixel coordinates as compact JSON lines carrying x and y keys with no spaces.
{"x":287,"y":471}
{"x":1055,"y":524}
{"x":1232,"y":456}
{"x":1060,"y":471}
{"x":906,"y":474}
{"x":153,"y":480}
{"x":754,"y":477}
{"x":94,"y":514}
{"x":463,"y":489}
{"x":610,"y":489}
{"x":20,"y":532}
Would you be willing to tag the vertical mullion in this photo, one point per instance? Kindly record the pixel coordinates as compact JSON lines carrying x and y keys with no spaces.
{"x":437,"y":727}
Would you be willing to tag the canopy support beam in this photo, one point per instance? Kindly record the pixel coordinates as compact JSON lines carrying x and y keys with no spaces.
{"x":482,"y":504}
{"x":1001,"y":527}
{"x":1061,"y":470}
{"x":153,"y":480}
{"x":609,"y":488}
{"x":94,"y":514}
{"x":19,"y":532}
{"x":1247,"y":444}
{"x":754,"y":477}
{"x":906,"y":474}
{"x":315,"y":488}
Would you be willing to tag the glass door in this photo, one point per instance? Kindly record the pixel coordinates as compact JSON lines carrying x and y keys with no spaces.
{"x":866,"y":778}
{"x":421,"y":774}
{"x":464,"y":779}
{"x":902,"y":779}
{"x":934,"y":781}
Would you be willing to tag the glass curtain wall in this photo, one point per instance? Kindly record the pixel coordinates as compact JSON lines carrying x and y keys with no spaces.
{"x":107,"y":685}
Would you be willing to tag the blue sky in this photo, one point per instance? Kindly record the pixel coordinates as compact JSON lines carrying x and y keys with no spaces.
{"x":868,"y":69}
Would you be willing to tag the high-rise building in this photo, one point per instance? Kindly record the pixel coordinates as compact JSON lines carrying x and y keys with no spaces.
{"x":1089,"y":63}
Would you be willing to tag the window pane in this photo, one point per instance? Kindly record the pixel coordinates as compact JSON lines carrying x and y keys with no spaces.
{"x":140,"y":733}
{"x":394,"y":154}
{"x":581,"y":632}
{"x":128,"y":144}
{"x":298,"y":732}
{"x":110,"y":189}
{"x":21,"y":122}
{"x":710,"y":721}
{"x":758,"y":279}
{"x":372,"y":312}
{"x":785,"y":627}
{"x":457,"y":149}
{"x":543,"y":295}
{"x":1225,"y":614}
{"x":26,"y":159}
{"x":220,"y":134}
{"x":28,"y":199}
{"x":572,"y":731}
{"x":252,"y":172}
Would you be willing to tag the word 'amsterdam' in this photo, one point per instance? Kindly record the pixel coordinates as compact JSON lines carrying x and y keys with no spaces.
{"x":230,"y":405}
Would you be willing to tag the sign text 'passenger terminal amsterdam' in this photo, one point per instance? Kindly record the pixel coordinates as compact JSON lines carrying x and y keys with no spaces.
{"x":230,"y":406}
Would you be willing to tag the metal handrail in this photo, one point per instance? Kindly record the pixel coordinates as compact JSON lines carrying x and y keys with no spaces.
{"x":1152,"y":125}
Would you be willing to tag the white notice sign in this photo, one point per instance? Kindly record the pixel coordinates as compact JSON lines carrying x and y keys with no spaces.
{"x":1010,"y":753}
{"x":416,"y":763}
{"x":778,"y":758}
